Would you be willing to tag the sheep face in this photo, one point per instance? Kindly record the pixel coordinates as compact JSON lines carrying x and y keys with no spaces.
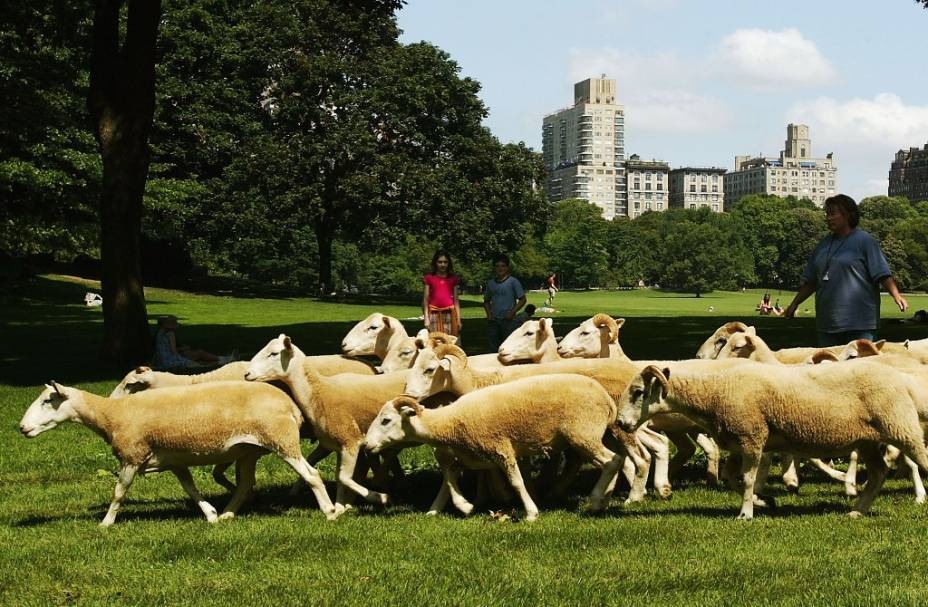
{"x":400,"y":358}
{"x":861,"y":348}
{"x":273,"y":361}
{"x":526,"y":342}
{"x":365,"y":337}
{"x":51,"y":408}
{"x":711,"y":347}
{"x":645,"y":396}
{"x":739,"y":345}
{"x":585,"y":341}
{"x":392,"y":424}
{"x":430,"y":375}
{"x":137,"y":380}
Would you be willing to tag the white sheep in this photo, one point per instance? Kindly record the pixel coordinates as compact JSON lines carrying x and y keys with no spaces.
{"x":446,"y":369}
{"x":495,"y":426}
{"x":174,"y":428}
{"x":596,"y":337}
{"x":339,"y":407}
{"x":755,"y":407}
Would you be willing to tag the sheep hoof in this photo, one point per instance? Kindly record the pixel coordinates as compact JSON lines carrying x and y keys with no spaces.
{"x":850,"y":492}
{"x":855,"y":514}
{"x":432,"y":513}
{"x":744,"y":517}
{"x":105,"y":524}
{"x":920,"y":499}
{"x":792,"y":488}
{"x":225,"y":516}
{"x":531,"y":517}
{"x":379,"y":498}
{"x":665,"y":492}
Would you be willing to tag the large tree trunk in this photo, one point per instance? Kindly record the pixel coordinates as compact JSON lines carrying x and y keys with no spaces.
{"x":324,"y":237}
{"x":122,"y":104}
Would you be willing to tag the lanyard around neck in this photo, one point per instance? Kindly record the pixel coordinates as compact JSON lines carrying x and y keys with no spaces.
{"x":829,"y":255}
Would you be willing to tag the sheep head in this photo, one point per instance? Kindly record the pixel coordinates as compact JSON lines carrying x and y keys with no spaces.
{"x":861,"y":348}
{"x":432,"y":371}
{"x":53,"y":406}
{"x":643,"y":397}
{"x":392,"y":423}
{"x":275,"y":360}
{"x":711,"y":347}
{"x":371,"y":336}
{"x":528,"y":342}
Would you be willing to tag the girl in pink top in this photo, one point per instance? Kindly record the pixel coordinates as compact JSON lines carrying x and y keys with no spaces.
{"x":440,"y":306}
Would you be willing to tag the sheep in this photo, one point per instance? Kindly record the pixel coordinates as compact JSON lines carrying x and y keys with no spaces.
{"x":404,"y":352}
{"x":144,"y":378}
{"x":495,"y":426}
{"x":447,"y":369}
{"x":339,"y":408}
{"x":174,"y":428}
{"x":710,"y":348}
{"x":755,"y":407}
{"x":379,"y":335}
{"x":596,"y":337}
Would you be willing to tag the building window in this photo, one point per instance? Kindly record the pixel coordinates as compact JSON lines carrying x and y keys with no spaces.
{"x":660,"y":186}
{"x":647,"y":185}
{"x":704,"y":178}
{"x":703,"y":188}
{"x":715,"y":208}
{"x":660,"y":206}
{"x":647,"y":206}
{"x":692,"y":187}
{"x":647,"y":176}
{"x":715,"y":188}
{"x":715,"y":178}
{"x":692,"y":205}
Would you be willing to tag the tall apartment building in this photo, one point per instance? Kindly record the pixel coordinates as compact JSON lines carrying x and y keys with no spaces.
{"x":697,"y":187}
{"x":648,"y":185}
{"x":584,"y":148}
{"x":908,"y":175}
{"x":794,"y":173}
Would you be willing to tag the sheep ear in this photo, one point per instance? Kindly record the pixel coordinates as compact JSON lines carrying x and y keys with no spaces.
{"x":142,"y":369}
{"x":905,"y":344}
{"x":750,"y":331}
{"x":879,"y":344}
{"x":546,"y":324}
{"x":54,"y":385}
{"x":453,"y":340}
{"x":386,"y":321}
{"x":619,"y":322}
{"x":288,"y":343}
{"x":445,"y":363}
{"x":422,"y":339}
{"x":378,"y":370}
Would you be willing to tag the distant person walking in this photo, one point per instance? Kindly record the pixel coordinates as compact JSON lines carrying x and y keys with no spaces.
{"x":845,"y":273}
{"x":552,"y":289}
{"x":502,"y":299}
{"x":441,"y":308}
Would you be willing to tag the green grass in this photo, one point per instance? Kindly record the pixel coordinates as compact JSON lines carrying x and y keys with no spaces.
{"x":54,"y":490}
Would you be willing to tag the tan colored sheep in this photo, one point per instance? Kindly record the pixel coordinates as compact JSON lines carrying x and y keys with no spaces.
{"x":596,"y":337}
{"x":754,"y":408}
{"x":174,"y":428}
{"x":495,"y":426}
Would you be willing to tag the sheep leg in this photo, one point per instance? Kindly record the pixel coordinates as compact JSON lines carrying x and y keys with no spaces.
{"x":451,"y":471}
{"x":451,"y":475}
{"x":186,"y":481}
{"x":347,"y":459}
{"x":219,"y":475}
{"x":685,"y":450}
{"x":641,"y":459}
{"x":312,"y":478}
{"x":245,"y":471}
{"x":850,"y":477}
{"x":760,"y":481}
{"x":610,"y":463}
{"x":318,"y":454}
{"x":659,"y":445}
{"x":916,"y":479}
{"x":790,"y":472}
{"x":713,"y":455}
{"x":832,"y":473}
{"x":510,"y":467}
{"x":123,"y":482}
{"x":876,"y":475}
{"x":750,"y":461}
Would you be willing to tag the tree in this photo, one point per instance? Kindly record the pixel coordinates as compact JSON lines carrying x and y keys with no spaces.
{"x":576,"y":243}
{"x":122,"y":103}
{"x":698,"y":259}
{"x":49,"y":165}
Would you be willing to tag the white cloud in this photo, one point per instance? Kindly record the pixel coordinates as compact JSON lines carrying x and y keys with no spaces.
{"x":865,"y":134}
{"x":655,"y":89}
{"x":768,"y":60}
{"x":884,"y":121}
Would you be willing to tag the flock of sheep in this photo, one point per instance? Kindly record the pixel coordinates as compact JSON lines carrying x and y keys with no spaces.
{"x":574,"y":401}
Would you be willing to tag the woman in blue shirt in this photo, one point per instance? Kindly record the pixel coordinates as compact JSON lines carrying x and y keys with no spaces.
{"x":845,"y":273}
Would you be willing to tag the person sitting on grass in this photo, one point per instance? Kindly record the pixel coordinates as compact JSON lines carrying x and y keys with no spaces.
{"x":168,"y":355}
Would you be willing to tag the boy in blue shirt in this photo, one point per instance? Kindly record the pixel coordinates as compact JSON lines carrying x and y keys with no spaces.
{"x":502,"y":299}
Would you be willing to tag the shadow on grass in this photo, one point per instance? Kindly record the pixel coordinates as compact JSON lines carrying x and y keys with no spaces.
{"x":50,"y":334}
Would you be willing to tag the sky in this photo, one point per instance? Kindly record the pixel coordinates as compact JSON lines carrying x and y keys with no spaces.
{"x":702,"y":80}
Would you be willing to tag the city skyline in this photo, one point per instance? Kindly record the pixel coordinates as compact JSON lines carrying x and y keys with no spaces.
{"x":702,"y":82}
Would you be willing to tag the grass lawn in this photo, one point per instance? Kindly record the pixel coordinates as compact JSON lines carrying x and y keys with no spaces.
{"x":54,"y":489}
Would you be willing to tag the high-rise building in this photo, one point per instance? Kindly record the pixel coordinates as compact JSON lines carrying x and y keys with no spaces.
{"x":584,"y":148}
{"x":697,"y":187}
{"x":908,"y":175}
{"x":794,"y":173}
{"x":648,"y":185}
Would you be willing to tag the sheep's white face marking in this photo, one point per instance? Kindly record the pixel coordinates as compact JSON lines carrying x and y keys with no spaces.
{"x":401,"y":357}
{"x":389,"y":427}
{"x":47,"y":411}
{"x":525,"y":342}
{"x":430,"y":375}
{"x":584,"y":341}
{"x":272,"y":362}
{"x":362,"y":339}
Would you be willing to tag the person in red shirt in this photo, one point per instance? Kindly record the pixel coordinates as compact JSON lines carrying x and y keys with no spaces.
{"x":441,"y":308}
